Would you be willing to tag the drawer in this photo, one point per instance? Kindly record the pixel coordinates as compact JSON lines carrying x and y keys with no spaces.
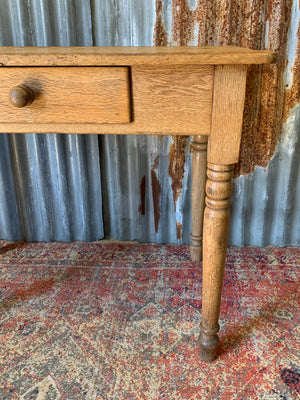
{"x":72,"y":95}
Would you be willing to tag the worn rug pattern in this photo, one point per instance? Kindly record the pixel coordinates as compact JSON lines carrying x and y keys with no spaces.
{"x":109,"y":320}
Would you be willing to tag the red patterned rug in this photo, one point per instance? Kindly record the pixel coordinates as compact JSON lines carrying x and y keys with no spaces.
{"x":111,"y":320}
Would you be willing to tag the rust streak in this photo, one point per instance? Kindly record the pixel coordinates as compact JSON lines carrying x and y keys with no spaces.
{"x":292,"y":94}
{"x":264,"y":106}
{"x":179,"y":230}
{"x":176,"y":165}
{"x":160,"y":36}
{"x":156,"y":191}
{"x":183,"y":22}
{"x":206,"y":15}
{"x":155,"y":163}
{"x":143,"y":195}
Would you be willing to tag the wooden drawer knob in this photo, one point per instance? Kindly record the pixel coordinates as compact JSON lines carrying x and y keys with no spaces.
{"x":21,"y":96}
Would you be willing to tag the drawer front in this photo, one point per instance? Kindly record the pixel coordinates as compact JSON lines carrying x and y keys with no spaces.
{"x":72,"y":95}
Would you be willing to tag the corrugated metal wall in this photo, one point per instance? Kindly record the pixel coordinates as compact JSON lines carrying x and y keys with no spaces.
{"x":52,"y":185}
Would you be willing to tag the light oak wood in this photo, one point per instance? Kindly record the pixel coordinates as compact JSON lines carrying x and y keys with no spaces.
{"x":87,"y":56}
{"x":199,"y":149}
{"x":223,"y":153}
{"x":227,"y":114}
{"x":172,"y":100}
{"x":70,"y":95}
{"x":216,"y":223}
{"x":168,"y":100}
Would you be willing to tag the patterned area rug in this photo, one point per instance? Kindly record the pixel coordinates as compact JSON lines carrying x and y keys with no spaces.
{"x":109,"y":320}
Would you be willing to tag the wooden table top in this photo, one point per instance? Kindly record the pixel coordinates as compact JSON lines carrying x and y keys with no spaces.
{"x":84,"y":56}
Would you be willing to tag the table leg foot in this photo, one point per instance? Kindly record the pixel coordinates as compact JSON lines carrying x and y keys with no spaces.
{"x":208,"y":341}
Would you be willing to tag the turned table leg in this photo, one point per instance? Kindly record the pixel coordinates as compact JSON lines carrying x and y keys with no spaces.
{"x":215,"y":233}
{"x":199,"y":149}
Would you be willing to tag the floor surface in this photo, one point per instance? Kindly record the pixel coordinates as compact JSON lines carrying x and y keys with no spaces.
{"x":111,"y":320}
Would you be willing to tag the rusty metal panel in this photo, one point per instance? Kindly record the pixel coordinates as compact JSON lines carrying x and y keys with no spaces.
{"x":146,"y":180}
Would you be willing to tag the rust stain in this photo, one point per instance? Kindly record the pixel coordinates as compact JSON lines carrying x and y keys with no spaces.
{"x":183,"y":22}
{"x":143,"y":195}
{"x":264,"y":106}
{"x":156,"y":191}
{"x":242,"y":23}
{"x":155,"y":162}
{"x":292,"y":94}
{"x":179,"y":230}
{"x":176,"y":165}
{"x":160,"y":36}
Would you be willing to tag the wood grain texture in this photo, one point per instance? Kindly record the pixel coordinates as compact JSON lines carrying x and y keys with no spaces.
{"x":227,"y":114}
{"x":50,"y":56}
{"x":168,"y":100}
{"x":215,"y":233}
{"x":94,"y":95}
{"x":199,"y":149}
{"x":173,"y":99}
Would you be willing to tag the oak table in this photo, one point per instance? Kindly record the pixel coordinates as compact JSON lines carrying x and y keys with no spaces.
{"x":197,"y":91}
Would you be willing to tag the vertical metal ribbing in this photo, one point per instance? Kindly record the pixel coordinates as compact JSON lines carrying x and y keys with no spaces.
{"x":51,"y":184}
